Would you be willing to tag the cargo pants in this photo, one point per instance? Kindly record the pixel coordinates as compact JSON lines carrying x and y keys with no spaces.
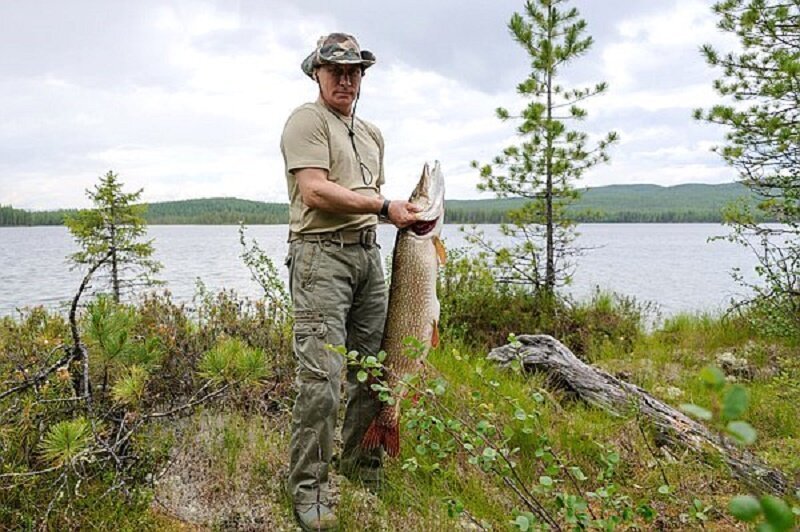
{"x":339,"y":297}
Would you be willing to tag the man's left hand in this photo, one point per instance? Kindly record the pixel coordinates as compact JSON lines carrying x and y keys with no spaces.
{"x":403,"y":213}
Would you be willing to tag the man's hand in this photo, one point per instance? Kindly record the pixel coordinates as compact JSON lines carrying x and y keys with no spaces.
{"x":403,"y":213}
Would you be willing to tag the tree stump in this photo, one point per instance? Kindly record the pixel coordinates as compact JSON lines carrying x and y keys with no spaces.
{"x":543,"y":353}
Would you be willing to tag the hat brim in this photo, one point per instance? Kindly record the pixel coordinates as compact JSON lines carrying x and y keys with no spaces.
{"x":309,"y":63}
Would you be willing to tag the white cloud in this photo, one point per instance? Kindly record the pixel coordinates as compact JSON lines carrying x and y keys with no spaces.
{"x":193,"y":101}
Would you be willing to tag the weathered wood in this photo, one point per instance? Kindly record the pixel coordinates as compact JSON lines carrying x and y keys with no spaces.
{"x":544,"y":353}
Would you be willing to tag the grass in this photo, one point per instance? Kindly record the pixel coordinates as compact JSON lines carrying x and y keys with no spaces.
{"x":229,"y":461}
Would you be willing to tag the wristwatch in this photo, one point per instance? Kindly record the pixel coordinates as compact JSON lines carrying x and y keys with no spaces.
{"x":384,"y":212}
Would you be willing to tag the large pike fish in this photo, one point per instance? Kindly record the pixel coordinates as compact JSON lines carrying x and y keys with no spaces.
{"x":413,"y":306}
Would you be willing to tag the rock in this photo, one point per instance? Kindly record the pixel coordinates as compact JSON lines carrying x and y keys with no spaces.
{"x":735,"y":366}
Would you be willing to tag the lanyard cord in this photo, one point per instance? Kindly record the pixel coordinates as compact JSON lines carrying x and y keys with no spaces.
{"x":352,"y":134}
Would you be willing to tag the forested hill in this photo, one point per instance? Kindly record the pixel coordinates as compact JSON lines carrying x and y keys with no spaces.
{"x":615,"y":203}
{"x":622,"y":203}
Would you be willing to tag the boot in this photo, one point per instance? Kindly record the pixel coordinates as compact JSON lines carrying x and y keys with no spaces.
{"x":316,"y":517}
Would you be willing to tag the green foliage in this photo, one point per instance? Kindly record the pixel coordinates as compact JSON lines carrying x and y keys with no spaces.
{"x":605,"y":319}
{"x":146,"y":363}
{"x":550,"y":158}
{"x":761,"y":83}
{"x":773,"y":313}
{"x":113,"y":229}
{"x":232,"y":361}
{"x":729,"y":405}
{"x":481,"y":311}
{"x":744,"y":507}
{"x":227,"y":211}
{"x":9,"y":216}
{"x":478,"y":309}
{"x":129,"y":389}
{"x":687,"y":203}
{"x":263,"y":271}
{"x":65,"y":441}
{"x":108,"y":327}
{"x":574,"y":459}
{"x":503,"y":438}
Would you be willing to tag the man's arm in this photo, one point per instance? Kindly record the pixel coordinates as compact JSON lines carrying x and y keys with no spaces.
{"x":320,"y":193}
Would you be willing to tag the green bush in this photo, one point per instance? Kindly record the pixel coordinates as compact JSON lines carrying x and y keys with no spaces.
{"x":146,"y":362}
{"x":481,"y":311}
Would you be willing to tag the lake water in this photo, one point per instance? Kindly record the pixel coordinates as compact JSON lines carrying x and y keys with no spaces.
{"x":672,"y":265}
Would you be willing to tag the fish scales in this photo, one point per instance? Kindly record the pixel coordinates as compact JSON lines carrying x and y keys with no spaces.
{"x":413,"y":306}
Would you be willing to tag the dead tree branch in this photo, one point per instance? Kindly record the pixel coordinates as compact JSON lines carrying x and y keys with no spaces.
{"x":545,"y":354}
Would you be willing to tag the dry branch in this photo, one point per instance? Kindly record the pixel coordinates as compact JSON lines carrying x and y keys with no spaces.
{"x":543,"y":353}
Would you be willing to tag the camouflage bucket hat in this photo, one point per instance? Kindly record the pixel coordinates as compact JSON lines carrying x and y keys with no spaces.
{"x":337,"y":48}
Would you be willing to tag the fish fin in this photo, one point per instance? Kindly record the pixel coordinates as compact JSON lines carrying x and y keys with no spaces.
{"x":391,"y":441}
{"x":373,"y":437}
{"x":435,"y":334}
{"x":380,"y":435}
{"x":440,"y":251}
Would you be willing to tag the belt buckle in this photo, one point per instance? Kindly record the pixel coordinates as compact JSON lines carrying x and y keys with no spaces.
{"x":368,"y":238}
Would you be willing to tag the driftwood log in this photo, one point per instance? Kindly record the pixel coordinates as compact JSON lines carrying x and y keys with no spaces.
{"x":542,"y":353}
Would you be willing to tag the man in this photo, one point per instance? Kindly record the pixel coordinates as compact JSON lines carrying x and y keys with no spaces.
{"x":334,"y":171}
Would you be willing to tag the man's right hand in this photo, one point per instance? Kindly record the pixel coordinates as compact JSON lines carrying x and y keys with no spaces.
{"x":403,"y":213}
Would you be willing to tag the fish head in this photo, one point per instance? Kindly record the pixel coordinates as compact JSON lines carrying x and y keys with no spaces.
{"x":429,"y":195}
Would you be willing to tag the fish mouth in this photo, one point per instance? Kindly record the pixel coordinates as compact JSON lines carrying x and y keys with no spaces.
{"x":424,"y":227}
{"x":429,"y":195}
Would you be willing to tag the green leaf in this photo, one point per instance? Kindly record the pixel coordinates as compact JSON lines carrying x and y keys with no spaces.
{"x":735,"y":403}
{"x":696,"y":411}
{"x":546,"y":481}
{"x":663,"y":489}
{"x":361,"y":376}
{"x":742,"y":432}
{"x":520,"y":414}
{"x":744,"y":507}
{"x":578,"y":473}
{"x":777,"y":513}
{"x":522,"y":523}
{"x":713,"y":377}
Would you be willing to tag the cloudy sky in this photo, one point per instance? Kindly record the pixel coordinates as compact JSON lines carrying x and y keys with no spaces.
{"x":187,"y":99}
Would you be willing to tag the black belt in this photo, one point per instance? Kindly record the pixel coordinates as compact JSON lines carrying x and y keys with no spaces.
{"x":367,"y":237}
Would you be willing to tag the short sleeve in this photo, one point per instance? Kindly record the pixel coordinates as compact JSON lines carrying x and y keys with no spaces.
{"x":379,"y":138}
{"x":304,"y":142}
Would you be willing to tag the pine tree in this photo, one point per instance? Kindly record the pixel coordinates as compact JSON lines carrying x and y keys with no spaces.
{"x":763,"y":140}
{"x":114,"y":227}
{"x":550,"y":158}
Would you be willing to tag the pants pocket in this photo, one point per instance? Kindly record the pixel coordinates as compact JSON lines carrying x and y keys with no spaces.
{"x":314,"y":360}
{"x":311,"y":259}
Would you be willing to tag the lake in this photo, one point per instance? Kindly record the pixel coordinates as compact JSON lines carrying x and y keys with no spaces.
{"x":672,"y":265}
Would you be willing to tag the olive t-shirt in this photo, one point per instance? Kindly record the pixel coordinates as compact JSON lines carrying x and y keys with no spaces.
{"x":318,"y":137}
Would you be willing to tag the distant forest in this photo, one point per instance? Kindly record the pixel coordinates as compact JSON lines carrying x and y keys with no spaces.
{"x":610,"y":204}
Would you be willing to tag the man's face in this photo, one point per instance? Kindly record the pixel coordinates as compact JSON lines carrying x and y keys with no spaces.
{"x":339,"y":85}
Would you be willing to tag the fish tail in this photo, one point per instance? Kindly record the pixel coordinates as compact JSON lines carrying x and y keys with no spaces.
{"x":386,"y":435}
